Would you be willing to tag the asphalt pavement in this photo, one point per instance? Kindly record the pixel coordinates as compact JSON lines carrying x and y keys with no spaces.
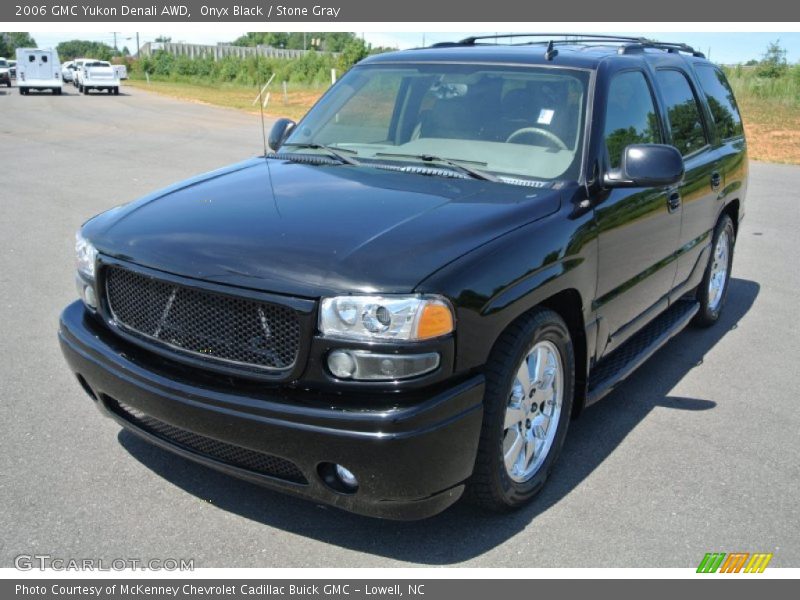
{"x":698,"y":452}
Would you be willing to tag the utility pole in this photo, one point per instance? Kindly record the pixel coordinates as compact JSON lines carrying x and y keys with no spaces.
{"x":137,"y":44}
{"x":115,"y":40}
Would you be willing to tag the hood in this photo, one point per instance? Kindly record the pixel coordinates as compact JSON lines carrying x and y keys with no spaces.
{"x":311,"y":230}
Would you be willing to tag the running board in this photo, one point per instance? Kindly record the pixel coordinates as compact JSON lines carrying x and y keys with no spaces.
{"x":617,"y":366}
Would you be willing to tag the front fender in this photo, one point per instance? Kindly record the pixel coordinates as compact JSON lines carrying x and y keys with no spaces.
{"x":493,"y":285}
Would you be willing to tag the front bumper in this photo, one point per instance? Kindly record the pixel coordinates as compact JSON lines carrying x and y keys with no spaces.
{"x":411,"y":454}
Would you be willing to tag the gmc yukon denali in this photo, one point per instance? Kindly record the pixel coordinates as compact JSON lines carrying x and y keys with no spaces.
{"x":407,"y":299}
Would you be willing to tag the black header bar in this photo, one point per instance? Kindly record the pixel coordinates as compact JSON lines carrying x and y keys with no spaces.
{"x":386,"y":11}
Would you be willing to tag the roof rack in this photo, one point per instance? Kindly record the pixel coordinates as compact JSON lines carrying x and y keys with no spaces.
{"x":629,"y":44}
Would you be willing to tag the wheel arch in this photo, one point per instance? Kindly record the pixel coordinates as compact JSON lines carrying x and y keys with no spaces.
{"x":732,"y":209}
{"x":568,"y":305}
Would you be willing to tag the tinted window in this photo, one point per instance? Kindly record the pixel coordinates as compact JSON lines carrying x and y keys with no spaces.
{"x":720,"y":101}
{"x":684,"y":113}
{"x":630,"y":116}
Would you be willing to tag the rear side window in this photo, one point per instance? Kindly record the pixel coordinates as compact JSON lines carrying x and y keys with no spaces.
{"x":685,"y":121}
{"x":721,"y":101}
{"x":44,"y":58}
{"x":630,"y":115}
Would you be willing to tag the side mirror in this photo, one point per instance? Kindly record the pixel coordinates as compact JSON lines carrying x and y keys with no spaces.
{"x":647,"y":165}
{"x":280,"y":131}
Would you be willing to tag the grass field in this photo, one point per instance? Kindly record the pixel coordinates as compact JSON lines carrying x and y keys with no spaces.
{"x":771,"y":112}
{"x":297,"y":101}
{"x":772,"y":124}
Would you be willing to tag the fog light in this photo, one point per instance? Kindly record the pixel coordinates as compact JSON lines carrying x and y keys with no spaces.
{"x":346,"y":477}
{"x":341,"y":364}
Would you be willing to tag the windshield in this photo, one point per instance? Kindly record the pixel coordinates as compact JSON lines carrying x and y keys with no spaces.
{"x":97,"y":63}
{"x":3,"y":64}
{"x":520,"y":121}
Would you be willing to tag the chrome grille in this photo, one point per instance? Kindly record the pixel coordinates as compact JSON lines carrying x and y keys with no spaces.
{"x":214,"y":326}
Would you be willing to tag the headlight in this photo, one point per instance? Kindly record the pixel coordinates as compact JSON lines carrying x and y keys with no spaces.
{"x":85,"y":256}
{"x":404,"y":318}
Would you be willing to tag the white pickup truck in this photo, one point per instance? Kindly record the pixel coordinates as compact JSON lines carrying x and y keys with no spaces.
{"x":76,"y":69}
{"x":98,"y":75}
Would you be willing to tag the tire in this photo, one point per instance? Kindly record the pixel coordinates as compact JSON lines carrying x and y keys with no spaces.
{"x":494,"y":484}
{"x":85,"y":90}
{"x":713,"y":290}
{"x":116,"y":91}
{"x":23,"y":91}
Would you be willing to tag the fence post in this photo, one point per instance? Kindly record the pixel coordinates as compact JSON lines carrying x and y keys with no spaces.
{"x":333,"y":76}
{"x":261,"y":93}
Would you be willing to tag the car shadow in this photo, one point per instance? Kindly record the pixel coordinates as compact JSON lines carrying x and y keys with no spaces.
{"x":592,"y":438}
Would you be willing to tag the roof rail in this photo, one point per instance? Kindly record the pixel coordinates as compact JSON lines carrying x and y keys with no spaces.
{"x":470,"y":41}
{"x":630,"y":44}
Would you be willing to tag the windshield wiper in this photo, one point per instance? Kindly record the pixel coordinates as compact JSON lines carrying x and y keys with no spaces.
{"x":334,"y":152}
{"x":456,"y":164}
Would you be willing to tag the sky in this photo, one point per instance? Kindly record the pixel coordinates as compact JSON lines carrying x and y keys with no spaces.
{"x":726,"y":48}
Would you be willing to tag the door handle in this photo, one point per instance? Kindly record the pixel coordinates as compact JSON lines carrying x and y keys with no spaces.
{"x":716,"y":180}
{"x":674,"y":201}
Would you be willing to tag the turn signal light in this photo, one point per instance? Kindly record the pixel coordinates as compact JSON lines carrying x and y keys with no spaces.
{"x":435,"y":320}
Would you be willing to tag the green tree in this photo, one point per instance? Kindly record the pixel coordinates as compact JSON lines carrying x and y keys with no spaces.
{"x":353,"y":51}
{"x":84,"y":48}
{"x":11,"y":40}
{"x":262,"y":38}
{"x":773,"y":64}
{"x":331,"y":41}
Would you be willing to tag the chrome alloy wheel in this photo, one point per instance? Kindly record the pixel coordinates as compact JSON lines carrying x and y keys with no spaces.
{"x":533,"y":411}
{"x":719,"y":271}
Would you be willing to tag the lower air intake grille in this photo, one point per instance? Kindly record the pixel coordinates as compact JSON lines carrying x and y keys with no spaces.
{"x":250,"y":460}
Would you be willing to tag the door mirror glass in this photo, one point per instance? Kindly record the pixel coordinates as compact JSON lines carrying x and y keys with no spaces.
{"x":280,"y":131}
{"x":647,"y":165}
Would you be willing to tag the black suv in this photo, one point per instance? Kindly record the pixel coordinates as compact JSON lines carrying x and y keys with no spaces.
{"x":455,"y":251}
